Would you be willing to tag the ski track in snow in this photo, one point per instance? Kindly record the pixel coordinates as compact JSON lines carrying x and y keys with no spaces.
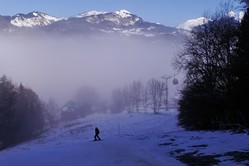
{"x":128,"y":139}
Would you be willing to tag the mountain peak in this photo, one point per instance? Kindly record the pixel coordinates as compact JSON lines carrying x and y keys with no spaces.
{"x":190,"y":24}
{"x":37,"y":13}
{"x":236,"y":15}
{"x":32,"y":19}
{"x":123,"y":13}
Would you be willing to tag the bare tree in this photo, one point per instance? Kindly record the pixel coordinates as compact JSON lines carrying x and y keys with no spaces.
{"x":118,"y":101}
{"x":145,"y":99}
{"x":53,"y":113}
{"x":128,"y":99}
{"x":155,"y":90}
{"x":136,"y":93}
{"x":207,"y":61}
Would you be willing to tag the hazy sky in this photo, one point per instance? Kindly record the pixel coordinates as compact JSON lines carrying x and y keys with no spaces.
{"x":167,"y":12}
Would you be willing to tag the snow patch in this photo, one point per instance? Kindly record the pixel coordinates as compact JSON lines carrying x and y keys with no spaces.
{"x":35,"y":14}
{"x":150,"y":28}
{"x":123,"y":13}
{"x":90,"y":13}
{"x":237,"y":16}
{"x":190,"y":24}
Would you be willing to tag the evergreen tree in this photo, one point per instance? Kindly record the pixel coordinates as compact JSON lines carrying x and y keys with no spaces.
{"x":21,"y":113}
{"x":29,"y":113}
{"x":7,"y":101}
{"x":240,"y":94}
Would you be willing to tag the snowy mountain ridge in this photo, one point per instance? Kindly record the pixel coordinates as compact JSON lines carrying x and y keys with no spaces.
{"x":120,"y":22}
{"x":121,"y":17}
{"x":90,"y":13}
{"x":192,"y":23}
{"x":32,"y":19}
{"x":237,"y":15}
{"x":35,"y":18}
{"x":124,"y":13}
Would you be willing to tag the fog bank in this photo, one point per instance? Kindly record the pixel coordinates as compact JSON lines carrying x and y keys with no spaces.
{"x":55,"y":67}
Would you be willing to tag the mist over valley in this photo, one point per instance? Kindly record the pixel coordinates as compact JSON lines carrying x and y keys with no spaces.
{"x":57,"y":58}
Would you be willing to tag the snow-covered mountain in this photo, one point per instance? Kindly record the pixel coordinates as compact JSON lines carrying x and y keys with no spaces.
{"x":238,"y":16}
{"x":120,"y":22}
{"x":190,"y":24}
{"x":122,"y":17}
{"x":32,"y":19}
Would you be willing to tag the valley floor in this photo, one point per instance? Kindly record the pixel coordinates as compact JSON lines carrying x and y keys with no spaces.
{"x":129,"y":139}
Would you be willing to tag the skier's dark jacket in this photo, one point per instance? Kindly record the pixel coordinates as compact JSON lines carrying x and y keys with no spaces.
{"x":96,"y":131}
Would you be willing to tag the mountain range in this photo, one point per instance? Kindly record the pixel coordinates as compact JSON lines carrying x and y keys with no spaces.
{"x":120,"y":22}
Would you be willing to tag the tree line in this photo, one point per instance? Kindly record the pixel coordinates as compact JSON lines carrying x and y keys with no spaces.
{"x":22,"y":114}
{"x":139,"y":97}
{"x":215,"y":59}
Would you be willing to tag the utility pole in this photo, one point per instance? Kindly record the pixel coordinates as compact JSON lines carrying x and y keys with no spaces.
{"x":118,"y":130}
{"x":166,"y":92}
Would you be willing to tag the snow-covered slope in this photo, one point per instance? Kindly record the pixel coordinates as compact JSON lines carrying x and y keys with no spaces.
{"x":238,"y":16}
{"x":129,"y":139}
{"x":88,"y":14}
{"x":190,"y":24}
{"x":32,"y":19}
{"x":123,"y":13}
{"x":121,"y":17}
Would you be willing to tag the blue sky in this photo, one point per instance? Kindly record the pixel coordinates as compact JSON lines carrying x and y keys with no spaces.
{"x":167,"y":12}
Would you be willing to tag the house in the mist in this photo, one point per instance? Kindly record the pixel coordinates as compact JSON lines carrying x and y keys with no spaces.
{"x":72,"y":110}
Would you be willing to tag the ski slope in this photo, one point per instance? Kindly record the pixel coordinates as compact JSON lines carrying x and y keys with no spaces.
{"x":128,"y":139}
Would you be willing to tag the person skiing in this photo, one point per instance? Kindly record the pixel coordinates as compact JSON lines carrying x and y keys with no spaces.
{"x":97,"y":135}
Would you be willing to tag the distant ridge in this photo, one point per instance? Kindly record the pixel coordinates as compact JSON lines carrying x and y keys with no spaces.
{"x":121,"y":22}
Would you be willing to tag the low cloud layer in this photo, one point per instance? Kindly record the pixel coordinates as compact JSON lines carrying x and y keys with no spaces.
{"x":56,"y":67}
